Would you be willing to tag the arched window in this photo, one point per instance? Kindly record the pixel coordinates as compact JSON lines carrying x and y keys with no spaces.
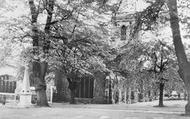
{"x":123,"y":32}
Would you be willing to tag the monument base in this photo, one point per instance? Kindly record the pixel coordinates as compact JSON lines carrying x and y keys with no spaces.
{"x":25,"y":100}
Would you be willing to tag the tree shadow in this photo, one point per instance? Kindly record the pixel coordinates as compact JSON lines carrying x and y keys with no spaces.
{"x":185,"y":115}
{"x":160,"y":106}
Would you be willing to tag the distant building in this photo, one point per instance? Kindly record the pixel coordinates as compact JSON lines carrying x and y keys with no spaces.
{"x":90,"y":89}
{"x":7,"y":79}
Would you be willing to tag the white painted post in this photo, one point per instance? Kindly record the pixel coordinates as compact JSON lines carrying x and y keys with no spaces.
{"x":125,"y":96}
{"x":129,"y":95}
{"x":51,"y":94}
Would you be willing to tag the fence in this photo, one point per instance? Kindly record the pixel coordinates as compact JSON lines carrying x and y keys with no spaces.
{"x":7,"y":89}
{"x":7,"y":86}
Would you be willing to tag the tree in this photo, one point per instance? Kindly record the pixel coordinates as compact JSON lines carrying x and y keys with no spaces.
{"x":5,"y":52}
{"x":184,"y":65}
{"x":40,"y":67}
{"x":175,"y":83}
{"x":76,"y":44}
{"x":151,"y":14}
{"x":161,"y":58}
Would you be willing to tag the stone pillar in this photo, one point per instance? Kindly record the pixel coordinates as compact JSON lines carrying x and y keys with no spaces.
{"x":120,"y":96}
{"x":135,"y":96}
{"x":25,"y":94}
{"x":151,"y":95}
{"x":129,"y":95}
{"x":125,"y":96}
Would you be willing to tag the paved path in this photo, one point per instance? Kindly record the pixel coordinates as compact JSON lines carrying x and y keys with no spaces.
{"x":144,"y":110}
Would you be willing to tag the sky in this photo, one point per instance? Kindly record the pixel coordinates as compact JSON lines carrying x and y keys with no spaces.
{"x":14,"y":8}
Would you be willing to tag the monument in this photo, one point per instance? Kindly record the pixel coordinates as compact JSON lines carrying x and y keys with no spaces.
{"x":25,"y":94}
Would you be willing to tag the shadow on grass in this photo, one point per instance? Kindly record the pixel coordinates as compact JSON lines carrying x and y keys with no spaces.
{"x":37,"y":106}
{"x":185,"y":115}
{"x":160,"y":106}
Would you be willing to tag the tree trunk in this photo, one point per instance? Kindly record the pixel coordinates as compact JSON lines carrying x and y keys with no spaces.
{"x":161,"y":95}
{"x":72,"y":97}
{"x":41,"y":84}
{"x":187,"y":106}
{"x":73,"y":85}
{"x":40,"y":68}
{"x":38,"y":75}
{"x":110,"y":92}
{"x":42,"y":98}
{"x":184,"y":66}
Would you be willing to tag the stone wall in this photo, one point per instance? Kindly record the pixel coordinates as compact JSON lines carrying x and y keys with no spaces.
{"x":63,"y":92}
{"x":61,"y":83}
{"x":99,"y":88}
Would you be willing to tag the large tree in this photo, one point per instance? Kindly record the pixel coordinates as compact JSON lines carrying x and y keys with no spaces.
{"x":162,"y":58}
{"x":77,"y":47}
{"x":146,"y":20}
{"x":184,"y":65}
{"x":40,"y":66}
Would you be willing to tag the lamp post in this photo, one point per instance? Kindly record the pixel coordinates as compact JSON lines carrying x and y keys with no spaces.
{"x":25,"y":94}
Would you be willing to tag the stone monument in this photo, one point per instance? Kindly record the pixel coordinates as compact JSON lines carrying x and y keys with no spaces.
{"x":25,"y":94}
